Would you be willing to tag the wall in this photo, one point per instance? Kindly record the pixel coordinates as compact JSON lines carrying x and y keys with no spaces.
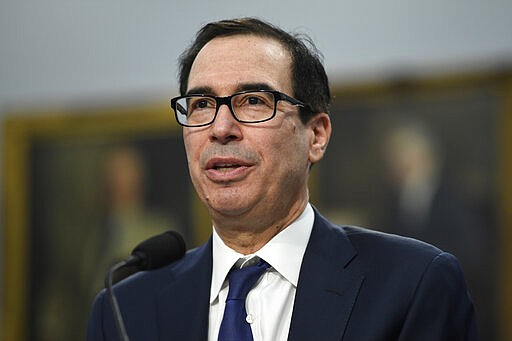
{"x":72,"y":52}
{"x":61,"y":50}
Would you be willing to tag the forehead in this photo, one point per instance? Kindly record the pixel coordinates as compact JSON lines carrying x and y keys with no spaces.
{"x":226,"y":63}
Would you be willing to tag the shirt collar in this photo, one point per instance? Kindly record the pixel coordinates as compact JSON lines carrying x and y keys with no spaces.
{"x":284,"y":252}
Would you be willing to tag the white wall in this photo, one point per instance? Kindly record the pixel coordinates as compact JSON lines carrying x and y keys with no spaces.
{"x":91,"y":49}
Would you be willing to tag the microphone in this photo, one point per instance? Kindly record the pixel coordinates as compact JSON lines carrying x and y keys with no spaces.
{"x":151,"y":254}
{"x":157,"y":251}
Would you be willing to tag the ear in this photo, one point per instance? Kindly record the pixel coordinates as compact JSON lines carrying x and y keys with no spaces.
{"x":320,"y":127}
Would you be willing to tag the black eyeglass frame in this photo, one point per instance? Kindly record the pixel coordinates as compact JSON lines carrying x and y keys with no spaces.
{"x":278,"y":96}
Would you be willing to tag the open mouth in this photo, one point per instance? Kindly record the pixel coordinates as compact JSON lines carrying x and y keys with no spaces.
{"x":225,"y":167}
{"x":225,"y":163}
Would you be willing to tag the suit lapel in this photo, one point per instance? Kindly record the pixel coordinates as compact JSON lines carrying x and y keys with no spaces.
{"x":326,"y":292}
{"x":327,"y":287}
{"x":191,"y":294}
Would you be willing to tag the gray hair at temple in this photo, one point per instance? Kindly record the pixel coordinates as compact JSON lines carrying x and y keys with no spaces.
{"x":309,"y":79}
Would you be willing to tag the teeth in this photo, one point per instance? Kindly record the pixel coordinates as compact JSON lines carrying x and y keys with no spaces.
{"x":226,"y":165}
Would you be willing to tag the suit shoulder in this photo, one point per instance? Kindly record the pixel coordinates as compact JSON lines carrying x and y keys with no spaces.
{"x":363,"y":238}
{"x":370,"y":247}
{"x":153,"y":280}
{"x":395,"y":252}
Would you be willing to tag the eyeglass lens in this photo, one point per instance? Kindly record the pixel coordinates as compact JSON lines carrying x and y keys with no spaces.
{"x":247,"y":107}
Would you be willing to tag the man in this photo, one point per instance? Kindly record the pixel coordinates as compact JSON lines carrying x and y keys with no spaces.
{"x":254,"y":107}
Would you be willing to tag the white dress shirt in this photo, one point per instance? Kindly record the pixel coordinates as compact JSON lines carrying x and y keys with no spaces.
{"x":269,"y":304}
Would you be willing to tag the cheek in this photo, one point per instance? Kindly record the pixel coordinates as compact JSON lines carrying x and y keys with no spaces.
{"x":191,"y":142}
{"x":297,"y":142}
{"x":192,"y":151}
{"x":289,"y":151}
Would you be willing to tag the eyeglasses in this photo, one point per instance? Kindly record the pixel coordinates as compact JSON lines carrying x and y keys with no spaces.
{"x":252,"y":106}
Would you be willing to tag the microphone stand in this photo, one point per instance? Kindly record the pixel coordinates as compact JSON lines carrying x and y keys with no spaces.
{"x":118,"y":318}
{"x":150,"y":254}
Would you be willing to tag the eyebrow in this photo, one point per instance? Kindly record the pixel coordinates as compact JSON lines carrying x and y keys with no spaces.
{"x":200,"y":91}
{"x":241,"y":87}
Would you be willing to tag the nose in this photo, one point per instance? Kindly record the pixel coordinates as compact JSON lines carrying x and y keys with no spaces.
{"x":225,"y":128}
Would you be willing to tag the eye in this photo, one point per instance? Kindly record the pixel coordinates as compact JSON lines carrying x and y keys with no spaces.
{"x":198,"y":103}
{"x":201,"y":104}
{"x":254,"y":100}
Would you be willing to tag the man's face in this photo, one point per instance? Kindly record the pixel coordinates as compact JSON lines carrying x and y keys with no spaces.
{"x":251,"y":173}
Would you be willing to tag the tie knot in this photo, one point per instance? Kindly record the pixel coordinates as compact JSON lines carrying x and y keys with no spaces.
{"x":242,"y":280}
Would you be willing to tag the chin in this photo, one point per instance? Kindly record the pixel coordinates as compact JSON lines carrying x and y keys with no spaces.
{"x":232,"y":207}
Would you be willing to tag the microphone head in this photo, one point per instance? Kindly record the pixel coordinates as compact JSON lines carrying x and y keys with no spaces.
{"x":159,"y":250}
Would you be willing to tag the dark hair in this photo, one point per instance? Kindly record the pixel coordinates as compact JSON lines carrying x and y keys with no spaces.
{"x":309,"y":80}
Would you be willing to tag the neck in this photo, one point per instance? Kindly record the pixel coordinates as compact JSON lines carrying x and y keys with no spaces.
{"x":250,"y":237}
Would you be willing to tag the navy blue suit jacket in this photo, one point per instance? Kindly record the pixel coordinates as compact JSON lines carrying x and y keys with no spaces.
{"x":354,"y":284}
